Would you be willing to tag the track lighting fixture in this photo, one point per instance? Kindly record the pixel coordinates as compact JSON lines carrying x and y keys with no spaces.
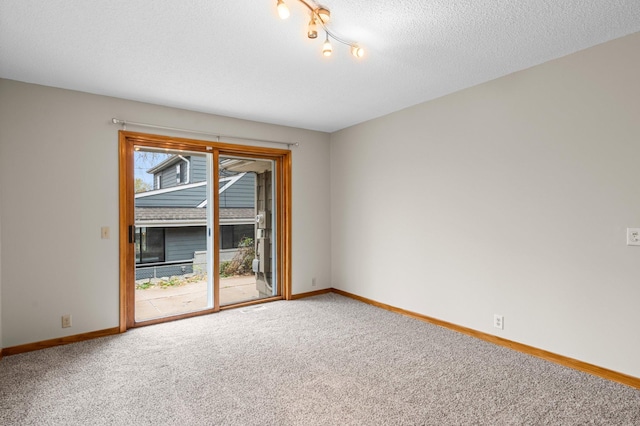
{"x":320,"y":16}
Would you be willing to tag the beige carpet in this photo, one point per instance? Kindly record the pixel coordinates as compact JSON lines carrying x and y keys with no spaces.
{"x":326,"y":360}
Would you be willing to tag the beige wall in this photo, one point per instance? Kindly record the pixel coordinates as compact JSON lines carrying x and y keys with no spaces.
{"x":59,"y":185}
{"x":511,"y":197}
{"x":0,"y":268}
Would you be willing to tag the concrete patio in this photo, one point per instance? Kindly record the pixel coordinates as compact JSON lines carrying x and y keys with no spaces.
{"x":157,"y":302}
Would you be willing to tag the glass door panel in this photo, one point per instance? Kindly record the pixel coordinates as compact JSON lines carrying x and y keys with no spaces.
{"x":247,"y":230}
{"x":173,"y":216}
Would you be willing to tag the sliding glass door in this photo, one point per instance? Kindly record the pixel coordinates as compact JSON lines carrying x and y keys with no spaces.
{"x":203,"y":226}
{"x":247,"y":229}
{"x":173,"y":214}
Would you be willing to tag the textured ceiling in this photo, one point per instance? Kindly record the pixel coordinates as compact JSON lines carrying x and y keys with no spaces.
{"x":237,"y":58}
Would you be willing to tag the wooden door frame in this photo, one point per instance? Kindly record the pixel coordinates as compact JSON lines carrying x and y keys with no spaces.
{"x":282,"y":159}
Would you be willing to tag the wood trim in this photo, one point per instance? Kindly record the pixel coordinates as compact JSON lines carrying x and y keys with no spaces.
{"x":216,"y":230}
{"x":29,"y":347}
{"x":311,"y":294}
{"x":286,"y":226}
{"x":520,"y":347}
{"x":249,"y":303}
{"x":125,"y":176}
{"x":172,"y":142}
{"x":1,"y":353}
{"x":174,"y":317}
{"x":279,"y":207}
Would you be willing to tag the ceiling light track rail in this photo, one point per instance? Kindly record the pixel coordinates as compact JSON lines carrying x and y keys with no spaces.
{"x":124,"y":124}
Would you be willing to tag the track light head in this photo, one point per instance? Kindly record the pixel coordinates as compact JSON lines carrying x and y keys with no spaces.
{"x":326,"y":47}
{"x":283,"y":10}
{"x":312,"y":32}
{"x":323,"y":14}
{"x":357,"y":51}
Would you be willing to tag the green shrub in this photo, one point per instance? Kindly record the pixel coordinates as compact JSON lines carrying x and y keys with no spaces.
{"x":223,"y":268}
{"x":144,"y":286}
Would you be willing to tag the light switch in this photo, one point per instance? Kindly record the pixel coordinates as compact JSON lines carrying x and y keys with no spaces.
{"x":104,"y":231}
{"x":633,"y":236}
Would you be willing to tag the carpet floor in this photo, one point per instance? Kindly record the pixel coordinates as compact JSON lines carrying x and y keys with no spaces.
{"x":326,"y":360}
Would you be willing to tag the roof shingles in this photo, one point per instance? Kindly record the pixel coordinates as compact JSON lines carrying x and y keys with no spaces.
{"x":147,"y":214}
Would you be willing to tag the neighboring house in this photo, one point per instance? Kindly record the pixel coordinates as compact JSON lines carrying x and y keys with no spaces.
{"x":171,"y":219}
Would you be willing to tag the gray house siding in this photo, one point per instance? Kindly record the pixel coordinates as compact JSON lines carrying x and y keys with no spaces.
{"x":191,"y":171}
{"x":198,"y":169}
{"x":180,"y":243}
{"x":241,"y":194}
{"x":189,"y":197}
{"x":167,"y":177}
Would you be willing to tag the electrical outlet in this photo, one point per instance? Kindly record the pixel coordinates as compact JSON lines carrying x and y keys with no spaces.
{"x":313,"y":282}
{"x":498,"y":321}
{"x":633,"y":236}
{"x":66,"y":321}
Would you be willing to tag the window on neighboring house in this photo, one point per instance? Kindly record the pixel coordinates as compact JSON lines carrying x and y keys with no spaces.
{"x":181,"y":173}
{"x":149,"y":245}
{"x":158,"y":181}
{"x":232,"y":235}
